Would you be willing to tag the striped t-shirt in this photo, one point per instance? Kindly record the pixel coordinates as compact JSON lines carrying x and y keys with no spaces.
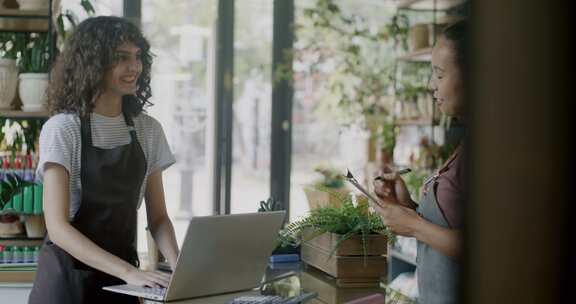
{"x":60,"y":142}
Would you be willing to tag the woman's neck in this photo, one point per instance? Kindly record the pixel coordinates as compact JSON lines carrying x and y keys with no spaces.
{"x":108,"y":105}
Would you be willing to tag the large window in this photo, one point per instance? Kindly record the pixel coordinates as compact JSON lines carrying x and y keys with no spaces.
{"x":323,"y":134}
{"x":252,"y":104}
{"x":181,"y":33}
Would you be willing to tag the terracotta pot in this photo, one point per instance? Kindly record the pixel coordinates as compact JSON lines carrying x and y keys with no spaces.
{"x":330,"y":197}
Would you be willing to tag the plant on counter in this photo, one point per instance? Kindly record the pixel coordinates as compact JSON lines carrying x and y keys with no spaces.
{"x":345,"y":221}
{"x":273,"y":205}
{"x":270,"y":205}
{"x":331,"y":178}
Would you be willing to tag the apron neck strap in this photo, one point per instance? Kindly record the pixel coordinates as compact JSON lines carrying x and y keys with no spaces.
{"x":86,"y":128}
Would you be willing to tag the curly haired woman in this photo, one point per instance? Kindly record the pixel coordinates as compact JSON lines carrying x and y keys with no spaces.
{"x":99,"y":156}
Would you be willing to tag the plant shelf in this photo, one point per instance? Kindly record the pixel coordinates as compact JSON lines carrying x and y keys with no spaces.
{"x":423,"y":55}
{"x":429,"y":5}
{"x":426,"y":121}
{"x":23,"y":114}
{"x":15,"y":20}
{"x":18,"y":13}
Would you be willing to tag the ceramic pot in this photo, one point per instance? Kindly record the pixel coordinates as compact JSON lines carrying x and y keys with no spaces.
{"x":32,"y":91}
{"x":35,"y":226}
{"x":8,"y":82}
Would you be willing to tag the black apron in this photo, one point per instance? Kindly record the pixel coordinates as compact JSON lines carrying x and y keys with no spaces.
{"x":111,"y":181}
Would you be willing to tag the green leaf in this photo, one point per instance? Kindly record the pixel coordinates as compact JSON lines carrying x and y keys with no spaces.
{"x":87,"y":5}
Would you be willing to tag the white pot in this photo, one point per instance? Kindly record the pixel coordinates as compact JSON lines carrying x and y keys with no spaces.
{"x":33,"y":4}
{"x":8,"y":82}
{"x":32,"y":90}
{"x":35,"y":226}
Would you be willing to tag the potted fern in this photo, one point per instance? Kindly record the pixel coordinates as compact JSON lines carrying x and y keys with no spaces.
{"x":348,"y":242}
{"x":281,"y":247}
{"x":327,"y":190}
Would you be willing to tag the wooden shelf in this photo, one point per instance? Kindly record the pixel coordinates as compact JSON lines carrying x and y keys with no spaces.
{"x":15,"y":20}
{"x":426,"y":121}
{"x":428,"y":5}
{"x":23,"y":25}
{"x":423,"y":55}
{"x":18,"y":13}
{"x":20,"y":276}
{"x":23,"y":114}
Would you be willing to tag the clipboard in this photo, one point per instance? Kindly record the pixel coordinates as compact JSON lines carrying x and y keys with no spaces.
{"x":350,"y":178}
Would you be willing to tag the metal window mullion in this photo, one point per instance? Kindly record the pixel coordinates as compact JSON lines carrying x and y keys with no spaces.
{"x":282,"y":94}
{"x":224,"y":96}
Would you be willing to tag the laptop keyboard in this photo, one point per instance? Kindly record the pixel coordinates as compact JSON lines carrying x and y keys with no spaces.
{"x":257,"y":300}
{"x":157,"y":291}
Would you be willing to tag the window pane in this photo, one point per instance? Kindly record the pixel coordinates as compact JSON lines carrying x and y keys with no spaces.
{"x":181,"y":35}
{"x":324,"y":133}
{"x":252,"y":104}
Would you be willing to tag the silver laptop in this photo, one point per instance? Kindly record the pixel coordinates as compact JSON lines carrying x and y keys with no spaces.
{"x":220,"y":254}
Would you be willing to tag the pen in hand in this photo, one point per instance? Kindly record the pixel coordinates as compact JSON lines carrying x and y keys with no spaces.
{"x":399,"y":172}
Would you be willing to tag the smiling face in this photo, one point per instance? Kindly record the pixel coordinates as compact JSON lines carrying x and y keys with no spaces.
{"x":447,"y":79}
{"x":122,"y":78}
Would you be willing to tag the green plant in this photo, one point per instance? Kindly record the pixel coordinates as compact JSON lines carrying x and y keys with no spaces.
{"x":269,"y":205}
{"x":345,"y":221}
{"x":10,"y":186}
{"x":70,"y":17}
{"x":387,"y":136}
{"x":35,"y":57}
{"x":398,"y":29}
{"x":11,"y":44}
{"x":331,"y":178}
{"x":414,"y":181}
{"x":349,"y":55}
{"x":17,"y":136}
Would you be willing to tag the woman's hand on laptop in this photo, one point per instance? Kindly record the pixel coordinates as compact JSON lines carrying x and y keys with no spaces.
{"x":139,"y":277}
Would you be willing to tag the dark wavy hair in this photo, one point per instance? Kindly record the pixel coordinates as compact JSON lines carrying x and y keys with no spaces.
{"x":77,"y":77}
{"x":457,"y":33}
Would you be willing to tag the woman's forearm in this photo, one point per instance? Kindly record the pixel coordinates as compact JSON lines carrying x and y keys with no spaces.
{"x":163,"y":233}
{"x":447,"y":241}
{"x":83,"y":249}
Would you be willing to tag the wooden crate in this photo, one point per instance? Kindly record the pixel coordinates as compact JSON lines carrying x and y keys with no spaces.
{"x":329,"y":292}
{"x":347,"y":265}
{"x":376,"y":244}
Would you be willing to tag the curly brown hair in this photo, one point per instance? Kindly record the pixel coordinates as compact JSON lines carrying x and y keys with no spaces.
{"x":78,"y":75}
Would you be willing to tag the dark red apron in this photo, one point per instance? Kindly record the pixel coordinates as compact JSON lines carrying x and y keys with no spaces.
{"x":111,"y":182}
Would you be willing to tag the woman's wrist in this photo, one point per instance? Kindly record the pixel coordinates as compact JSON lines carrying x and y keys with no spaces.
{"x":125,"y":270}
{"x":418,"y":227}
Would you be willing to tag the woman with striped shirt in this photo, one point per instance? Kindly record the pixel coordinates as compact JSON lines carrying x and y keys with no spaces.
{"x":100,"y":154}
